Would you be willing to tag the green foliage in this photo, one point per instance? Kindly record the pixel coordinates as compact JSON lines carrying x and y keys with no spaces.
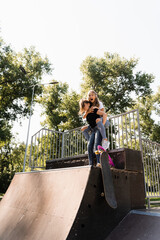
{"x":51,"y":101}
{"x":69,"y":110}
{"x":113,"y":78}
{"x":155,"y":133}
{"x":11,"y":161}
{"x":147,"y":106}
{"x":156,"y":102}
{"x":5,"y":133}
{"x":18,"y":72}
{"x":119,"y":87}
{"x":60,"y":107}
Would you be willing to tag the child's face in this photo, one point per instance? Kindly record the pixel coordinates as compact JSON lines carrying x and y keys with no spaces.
{"x":86,"y":106}
{"x":91,"y":97}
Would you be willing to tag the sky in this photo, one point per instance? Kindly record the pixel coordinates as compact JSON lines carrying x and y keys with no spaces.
{"x":67,"y":31}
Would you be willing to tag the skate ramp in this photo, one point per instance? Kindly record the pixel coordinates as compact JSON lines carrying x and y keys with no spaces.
{"x":42,"y":205}
{"x":63,"y":204}
{"x":138,"y":225}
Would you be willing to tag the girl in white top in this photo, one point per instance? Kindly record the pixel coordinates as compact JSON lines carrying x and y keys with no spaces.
{"x":93,"y":98}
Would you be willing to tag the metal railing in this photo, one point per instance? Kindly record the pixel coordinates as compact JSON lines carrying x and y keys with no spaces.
{"x":45,"y":145}
{"x":74,"y":143}
{"x":151,"y":162}
{"x":123,"y":131}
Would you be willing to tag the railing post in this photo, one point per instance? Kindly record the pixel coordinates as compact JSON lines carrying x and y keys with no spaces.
{"x":30,"y":114}
{"x":139,"y":131}
{"x":30,"y":153}
{"x":141,"y":149}
{"x":62,"y":151}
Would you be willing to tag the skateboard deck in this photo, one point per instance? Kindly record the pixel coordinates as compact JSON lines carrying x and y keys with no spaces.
{"x":107,"y":180}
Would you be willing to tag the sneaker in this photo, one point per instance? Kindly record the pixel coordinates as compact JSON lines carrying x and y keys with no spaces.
{"x":98,"y":165}
{"x":105,"y":144}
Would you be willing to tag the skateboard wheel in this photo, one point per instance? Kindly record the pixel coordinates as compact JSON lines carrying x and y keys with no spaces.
{"x":97,"y":152}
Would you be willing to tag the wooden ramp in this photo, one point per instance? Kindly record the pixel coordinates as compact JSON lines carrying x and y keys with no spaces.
{"x":61,"y":204}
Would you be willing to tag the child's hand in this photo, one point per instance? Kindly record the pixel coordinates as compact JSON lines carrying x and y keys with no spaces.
{"x":90,"y":110}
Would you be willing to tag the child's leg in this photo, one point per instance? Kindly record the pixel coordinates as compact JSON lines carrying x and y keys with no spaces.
{"x":100,"y":126}
{"x":107,"y":123}
{"x":98,"y":141}
{"x":83,"y":128}
{"x":85,"y":131}
{"x":90,"y":148}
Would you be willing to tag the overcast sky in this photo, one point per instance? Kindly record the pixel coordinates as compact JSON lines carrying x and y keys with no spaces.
{"x":67,"y":31}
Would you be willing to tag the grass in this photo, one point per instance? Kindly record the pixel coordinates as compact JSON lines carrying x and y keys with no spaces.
{"x":154,"y":202}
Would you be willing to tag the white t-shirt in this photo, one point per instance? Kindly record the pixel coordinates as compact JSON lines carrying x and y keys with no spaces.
{"x":100,"y":105}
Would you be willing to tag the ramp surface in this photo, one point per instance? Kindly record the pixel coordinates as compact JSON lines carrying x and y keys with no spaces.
{"x":138,"y":225}
{"x":42,"y":205}
{"x":64,"y":204}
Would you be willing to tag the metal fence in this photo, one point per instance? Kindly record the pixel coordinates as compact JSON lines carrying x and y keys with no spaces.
{"x":45,"y":145}
{"x":151,"y":162}
{"x":123,"y":131}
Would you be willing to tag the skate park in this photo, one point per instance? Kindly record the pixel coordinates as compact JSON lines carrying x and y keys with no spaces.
{"x":62,"y":197}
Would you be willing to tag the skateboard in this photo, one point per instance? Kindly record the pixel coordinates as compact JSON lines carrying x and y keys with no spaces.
{"x":107,"y":178}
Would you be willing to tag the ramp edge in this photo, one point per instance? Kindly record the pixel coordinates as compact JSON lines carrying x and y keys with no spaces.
{"x":53,"y":170}
{"x":146,"y":213}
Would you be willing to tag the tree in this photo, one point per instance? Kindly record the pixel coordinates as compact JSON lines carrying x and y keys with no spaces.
{"x":5,"y":131}
{"x":18,"y":72}
{"x":149,"y":109}
{"x":70,"y":109}
{"x":11,"y":161}
{"x":145,"y":106}
{"x":113,"y":78}
{"x":60,"y":107}
{"x":51,"y":101}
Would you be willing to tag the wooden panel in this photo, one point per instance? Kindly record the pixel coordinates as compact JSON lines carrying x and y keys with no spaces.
{"x":127,"y":159}
{"x":129,"y":188}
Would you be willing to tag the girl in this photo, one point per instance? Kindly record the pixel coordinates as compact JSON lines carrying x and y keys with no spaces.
{"x":93,"y":98}
{"x":94,"y":120}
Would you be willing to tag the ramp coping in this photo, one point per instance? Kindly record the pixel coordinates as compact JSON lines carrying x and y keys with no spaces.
{"x":51,"y":170}
{"x":147,"y":213}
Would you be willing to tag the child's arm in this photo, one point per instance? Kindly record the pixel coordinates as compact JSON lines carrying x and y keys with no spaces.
{"x":99,"y":112}
{"x":102,"y":109}
{"x":86,"y":113}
